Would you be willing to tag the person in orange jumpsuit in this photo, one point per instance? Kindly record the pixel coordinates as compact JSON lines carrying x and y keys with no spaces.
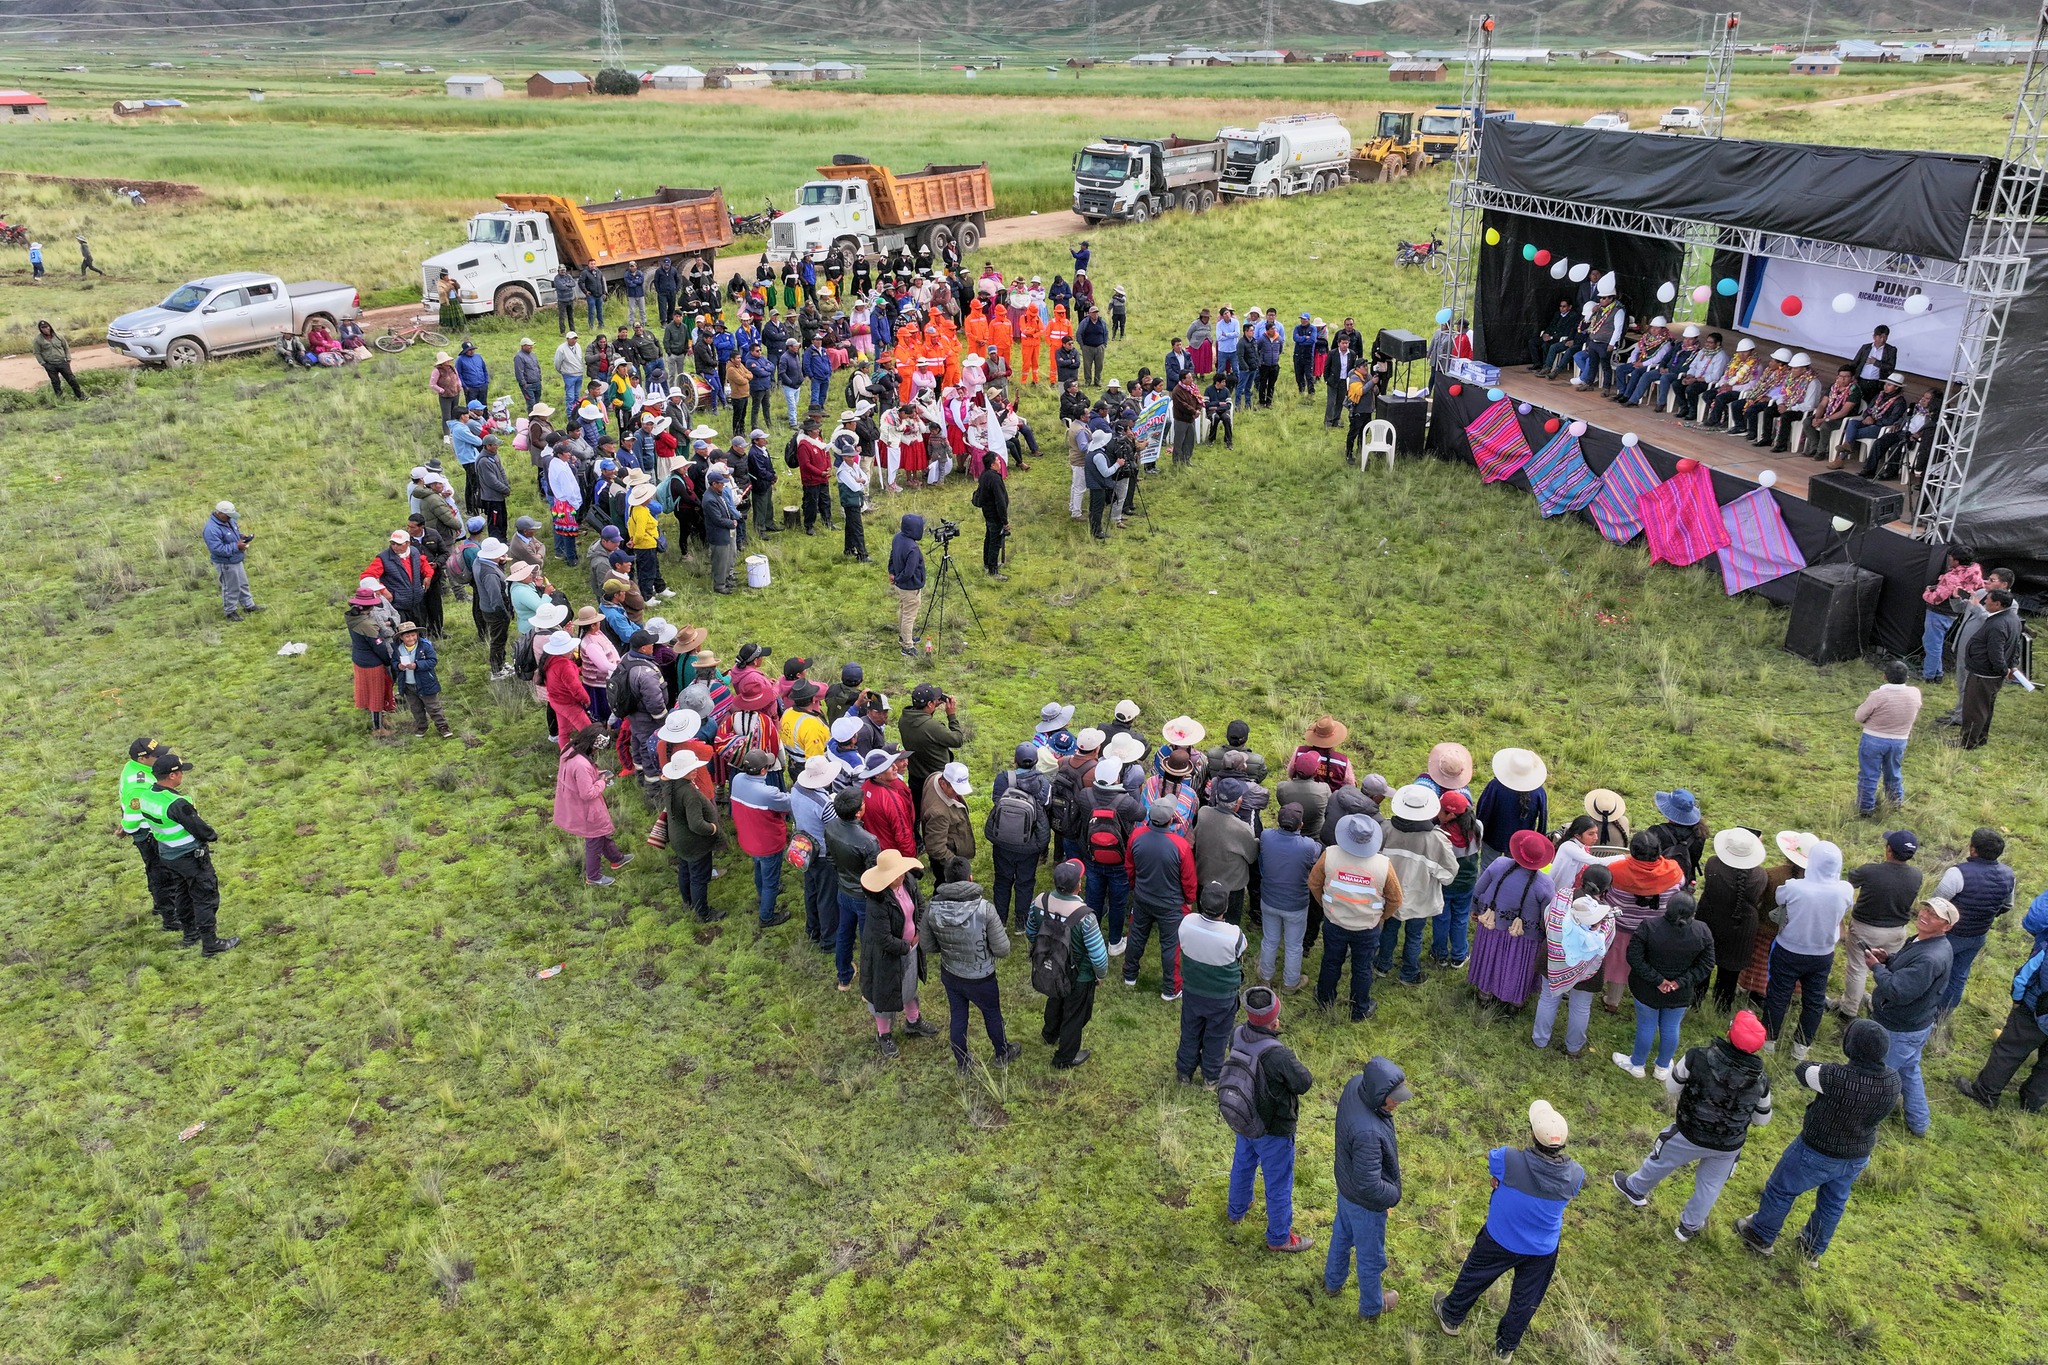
{"x":1027,"y":344}
{"x":903,"y":356}
{"x":1000,"y":334}
{"x":1058,"y":330}
{"x":976,"y":328}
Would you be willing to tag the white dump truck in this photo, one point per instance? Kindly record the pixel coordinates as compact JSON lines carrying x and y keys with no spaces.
{"x":1298,"y":154}
{"x":1135,"y":178}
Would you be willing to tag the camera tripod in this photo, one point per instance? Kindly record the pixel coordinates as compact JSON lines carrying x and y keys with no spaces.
{"x":948,"y":579}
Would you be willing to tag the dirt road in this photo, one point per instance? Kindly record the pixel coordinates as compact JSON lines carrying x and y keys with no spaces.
{"x":22,"y":372}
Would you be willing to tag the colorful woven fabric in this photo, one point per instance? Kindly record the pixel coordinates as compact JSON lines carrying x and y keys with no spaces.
{"x":1760,"y":545}
{"x":1681,"y":520}
{"x":1497,"y":445}
{"x":1560,"y":477}
{"x":1621,"y":487}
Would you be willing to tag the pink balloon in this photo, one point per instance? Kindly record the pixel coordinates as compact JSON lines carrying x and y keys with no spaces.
{"x":1701,"y":294}
{"x":1578,"y":428}
{"x":1688,"y":466}
{"x":1791,"y":306}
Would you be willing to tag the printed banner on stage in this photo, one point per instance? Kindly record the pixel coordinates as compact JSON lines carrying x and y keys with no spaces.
{"x":1497,"y":445}
{"x":1760,"y":545}
{"x":1926,"y":341}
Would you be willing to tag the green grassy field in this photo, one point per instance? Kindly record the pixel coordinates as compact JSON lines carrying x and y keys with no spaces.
{"x":683,"y":1146}
{"x":359,"y":179}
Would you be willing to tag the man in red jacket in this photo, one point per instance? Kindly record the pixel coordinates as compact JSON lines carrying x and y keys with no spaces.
{"x":891,"y":810}
{"x":814,"y":472}
{"x":1161,"y":869}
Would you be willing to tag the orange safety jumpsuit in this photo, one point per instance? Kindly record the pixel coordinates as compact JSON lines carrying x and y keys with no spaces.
{"x":1000,"y":334}
{"x":1027,"y":362}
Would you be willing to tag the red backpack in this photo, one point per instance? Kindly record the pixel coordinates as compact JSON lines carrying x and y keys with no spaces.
{"x":1105,"y":836}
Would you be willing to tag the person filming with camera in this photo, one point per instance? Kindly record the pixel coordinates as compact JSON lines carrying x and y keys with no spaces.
{"x":1102,"y":473}
{"x":906,"y":574}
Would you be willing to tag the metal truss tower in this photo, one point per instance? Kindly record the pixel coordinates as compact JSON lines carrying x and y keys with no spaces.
{"x":1995,"y":274}
{"x":1720,"y":68}
{"x":612,"y":51}
{"x":1462,"y":245}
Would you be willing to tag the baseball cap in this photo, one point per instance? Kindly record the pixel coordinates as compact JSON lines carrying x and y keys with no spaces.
{"x":1546,"y":1125}
{"x":1944,"y":908}
{"x":1903,"y":843}
{"x":925,"y":693}
{"x":168,"y":763}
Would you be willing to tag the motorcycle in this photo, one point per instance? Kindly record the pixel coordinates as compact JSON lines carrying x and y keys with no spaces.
{"x":753,"y":224}
{"x":1429,"y":255}
{"x":11,"y":235}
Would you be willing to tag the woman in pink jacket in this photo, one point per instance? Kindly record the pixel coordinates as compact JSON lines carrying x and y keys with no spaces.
{"x":580,"y":808}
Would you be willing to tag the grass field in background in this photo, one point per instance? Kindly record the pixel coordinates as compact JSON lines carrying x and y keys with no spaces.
{"x":683,"y":1147}
{"x":361,"y":179}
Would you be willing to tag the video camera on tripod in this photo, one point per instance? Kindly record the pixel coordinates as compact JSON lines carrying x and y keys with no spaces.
{"x":943,"y":533}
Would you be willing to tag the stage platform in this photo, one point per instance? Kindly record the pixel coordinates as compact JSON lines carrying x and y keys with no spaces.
{"x":1728,"y":454}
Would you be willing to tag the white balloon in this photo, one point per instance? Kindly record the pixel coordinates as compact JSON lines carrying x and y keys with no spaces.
{"x":1841,"y":523}
{"x":1628,"y":438}
{"x":1916,"y":304}
{"x":1578,"y":428}
{"x":1845,"y":303}
{"x":1557,"y":269}
{"x":1769,"y":478}
{"x":1580,"y":271}
{"x":1666,"y":292}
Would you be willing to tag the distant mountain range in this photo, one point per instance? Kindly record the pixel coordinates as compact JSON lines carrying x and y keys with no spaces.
{"x":1119,"y":25}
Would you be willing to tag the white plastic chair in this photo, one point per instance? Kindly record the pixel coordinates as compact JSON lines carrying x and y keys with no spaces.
{"x":1379,"y":440}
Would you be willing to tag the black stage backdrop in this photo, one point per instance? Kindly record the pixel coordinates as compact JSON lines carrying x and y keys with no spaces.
{"x":1798,"y":189}
{"x":1905,"y":564}
{"x":2004,"y":513}
{"x":1516,"y":298}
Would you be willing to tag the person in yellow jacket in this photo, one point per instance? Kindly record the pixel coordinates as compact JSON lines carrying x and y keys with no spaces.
{"x":804,"y":731}
{"x":643,"y":538}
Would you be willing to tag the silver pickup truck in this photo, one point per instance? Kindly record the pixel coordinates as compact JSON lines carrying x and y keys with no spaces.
{"x":229,"y":314}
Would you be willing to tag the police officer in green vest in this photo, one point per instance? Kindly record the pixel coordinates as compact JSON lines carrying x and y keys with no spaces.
{"x":181,"y":847}
{"x":136,"y":779}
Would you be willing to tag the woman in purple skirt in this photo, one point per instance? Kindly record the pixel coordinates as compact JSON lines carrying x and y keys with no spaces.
{"x":1507,"y":939}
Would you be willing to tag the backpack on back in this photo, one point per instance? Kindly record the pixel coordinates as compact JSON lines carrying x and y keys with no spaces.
{"x":525,"y":660}
{"x":1105,"y":837}
{"x":1011,"y":822}
{"x":789,"y":452}
{"x":1052,"y":953}
{"x":1063,"y":808}
{"x":618,"y":689}
{"x":1237,"y":1087}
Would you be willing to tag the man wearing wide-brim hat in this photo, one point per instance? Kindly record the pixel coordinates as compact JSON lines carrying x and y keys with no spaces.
{"x":1321,"y":739}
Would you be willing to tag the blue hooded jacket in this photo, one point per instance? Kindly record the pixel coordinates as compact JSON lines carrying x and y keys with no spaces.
{"x":471,"y":370}
{"x":906,"y":560}
{"x":1368,"y":1158}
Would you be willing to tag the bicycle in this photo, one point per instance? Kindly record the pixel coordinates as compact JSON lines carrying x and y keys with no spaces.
{"x":396,"y":339}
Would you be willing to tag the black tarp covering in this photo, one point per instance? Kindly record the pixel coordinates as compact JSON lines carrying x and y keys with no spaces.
{"x":1515,"y":298}
{"x":1918,"y":203}
{"x":1905,"y":564}
{"x":2004,"y":513}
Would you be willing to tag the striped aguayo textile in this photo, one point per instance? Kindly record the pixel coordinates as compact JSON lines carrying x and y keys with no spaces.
{"x":1621,"y":487}
{"x":1760,"y":545}
{"x":1497,"y":445}
{"x":1681,"y":520}
{"x":1560,"y":477}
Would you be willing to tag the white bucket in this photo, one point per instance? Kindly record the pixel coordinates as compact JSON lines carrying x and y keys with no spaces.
{"x":757,"y":571}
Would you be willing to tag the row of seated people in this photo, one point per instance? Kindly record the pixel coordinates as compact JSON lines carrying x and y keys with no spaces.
{"x":1694,"y":375}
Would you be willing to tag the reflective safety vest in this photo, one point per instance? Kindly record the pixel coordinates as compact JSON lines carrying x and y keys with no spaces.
{"x":136,"y":778}
{"x":171,"y":837}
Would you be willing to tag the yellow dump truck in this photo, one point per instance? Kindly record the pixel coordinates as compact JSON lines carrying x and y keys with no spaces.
{"x":856,"y":208}
{"x":508,"y":265}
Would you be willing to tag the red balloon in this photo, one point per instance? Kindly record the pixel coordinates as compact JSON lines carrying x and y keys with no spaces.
{"x":1688,"y":466}
{"x":1456,"y":389}
{"x":1543,"y":258}
{"x":1791,"y":306}
{"x":1550,"y":427}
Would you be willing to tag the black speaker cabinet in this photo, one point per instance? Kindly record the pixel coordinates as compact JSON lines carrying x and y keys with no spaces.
{"x":1400,"y":346}
{"x":1864,"y":501}
{"x":1832,"y":611}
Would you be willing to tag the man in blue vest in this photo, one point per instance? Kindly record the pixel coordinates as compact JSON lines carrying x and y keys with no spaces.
{"x":1524,"y":1222}
{"x":181,"y":845}
{"x":1981,"y":889}
{"x":136,"y":778}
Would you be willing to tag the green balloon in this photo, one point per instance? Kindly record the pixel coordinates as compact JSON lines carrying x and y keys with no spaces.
{"x":1529,"y":252}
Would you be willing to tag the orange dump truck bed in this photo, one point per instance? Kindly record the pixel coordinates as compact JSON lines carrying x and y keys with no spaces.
{"x":669,"y":222}
{"x":934,"y":192}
